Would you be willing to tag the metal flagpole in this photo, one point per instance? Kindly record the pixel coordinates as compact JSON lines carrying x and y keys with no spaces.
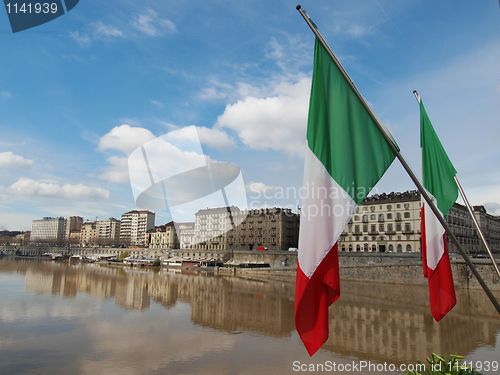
{"x":469,"y":208}
{"x":395,"y":148}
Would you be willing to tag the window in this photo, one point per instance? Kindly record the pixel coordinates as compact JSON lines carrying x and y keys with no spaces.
{"x":365,"y":227}
{"x":407,"y":227}
{"x":356,"y":229}
{"x":356,"y":218}
{"x":372,"y":217}
{"x":407,"y":206}
{"x":389,"y":216}
{"x":407,"y":215}
{"x":373,"y":228}
{"x":381,"y":217}
{"x":389,"y":227}
{"x":389,"y":207}
{"x":391,"y":248}
{"x":372,"y":208}
{"x":398,"y":227}
{"x":408,"y":248}
{"x":381,"y":227}
{"x":400,"y":248}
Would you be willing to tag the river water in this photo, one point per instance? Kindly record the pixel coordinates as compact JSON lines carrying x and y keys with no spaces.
{"x":57,"y":318}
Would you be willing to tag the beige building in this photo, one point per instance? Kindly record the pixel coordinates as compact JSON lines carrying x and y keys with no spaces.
{"x":75,"y":236}
{"x":88,"y":234}
{"x":71,"y":224}
{"x":163,"y":237}
{"x":134,"y":225}
{"x":108,"y":232}
{"x":391,"y":222}
{"x":384,"y":222}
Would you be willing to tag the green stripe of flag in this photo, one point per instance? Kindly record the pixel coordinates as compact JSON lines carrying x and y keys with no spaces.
{"x":437,"y":170}
{"x":341,"y":132}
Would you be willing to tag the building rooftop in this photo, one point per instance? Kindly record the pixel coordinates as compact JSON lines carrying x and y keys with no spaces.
{"x":413,"y":195}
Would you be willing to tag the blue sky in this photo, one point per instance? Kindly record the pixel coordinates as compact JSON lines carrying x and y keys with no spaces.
{"x":80,"y":93}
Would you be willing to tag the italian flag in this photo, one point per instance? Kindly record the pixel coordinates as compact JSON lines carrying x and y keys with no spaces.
{"x":346,"y":156}
{"x":438,"y":178}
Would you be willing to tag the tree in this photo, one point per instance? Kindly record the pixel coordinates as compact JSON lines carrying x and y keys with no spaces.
{"x":123,"y":256}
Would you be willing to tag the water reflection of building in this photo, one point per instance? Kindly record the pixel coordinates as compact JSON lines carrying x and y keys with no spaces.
{"x":241,"y":307}
{"x":370,"y":321}
{"x":132,"y":293}
{"x":377,"y":322}
{"x":51,"y":282}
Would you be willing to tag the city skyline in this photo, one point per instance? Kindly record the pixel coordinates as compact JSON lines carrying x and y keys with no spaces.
{"x":80,"y":93}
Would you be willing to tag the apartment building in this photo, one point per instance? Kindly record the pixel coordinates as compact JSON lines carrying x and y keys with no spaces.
{"x":266,"y":228}
{"x":48,"y":229}
{"x":391,"y":222}
{"x":71,"y":224}
{"x":211,"y":226}
{"x":88,"y":234}
{"x":162,"y":237}
{"x":185,"y":232}
{"x":108,"y":232}
{"x":384,"y":222}
{"x":134,"y":225}
{"x":490,"y":226}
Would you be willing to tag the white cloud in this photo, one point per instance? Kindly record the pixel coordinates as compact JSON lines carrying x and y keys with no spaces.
{"x":10,"y":160}
{"x":272,"y":123}
{"x":215,"y":138}
{"x":212,"y":137}
{"x":125,"y":138}
{"x":212,"y":93}
{"x":97,"y":30}
{"x":116,"y":171}
{"x":6,"y":94}
{"x":156,"y":103}
{"x":150,"y":24}
{"x":82,"y":39}
{"x":30,"y":187}
{"x":102,"y":31}
{"x":257,"y":187}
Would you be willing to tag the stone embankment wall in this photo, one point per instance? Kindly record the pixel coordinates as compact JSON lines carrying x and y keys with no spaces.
{"x":399,"y":268}
{"x":375,"y":267}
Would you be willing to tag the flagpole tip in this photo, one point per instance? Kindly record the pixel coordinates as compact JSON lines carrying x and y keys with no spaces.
{"x":298,"y":7}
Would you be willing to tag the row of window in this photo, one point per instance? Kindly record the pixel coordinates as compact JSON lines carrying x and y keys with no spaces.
{"x":381,"y":228}
{"x":388,"y":207}
{"x":374,"y":248}
{"x":381,"y":217}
